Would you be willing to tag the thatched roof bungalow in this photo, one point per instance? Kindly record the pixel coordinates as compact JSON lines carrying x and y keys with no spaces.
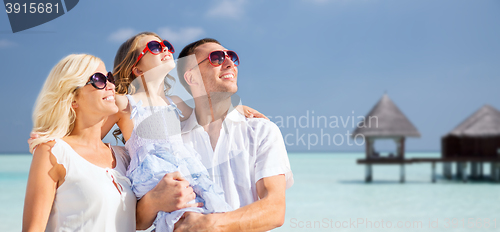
{"x":477,"y":136}
{"x":391,"y":124}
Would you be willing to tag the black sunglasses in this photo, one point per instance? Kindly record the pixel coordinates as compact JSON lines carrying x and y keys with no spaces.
{"x":99,"y":81}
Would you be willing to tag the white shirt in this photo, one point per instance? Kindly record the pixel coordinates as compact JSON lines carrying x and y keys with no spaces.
{"x":89,"y":199}
{"x":248,"y":149}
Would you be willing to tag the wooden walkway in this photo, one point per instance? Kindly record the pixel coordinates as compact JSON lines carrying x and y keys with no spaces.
{"x":461,"y":166}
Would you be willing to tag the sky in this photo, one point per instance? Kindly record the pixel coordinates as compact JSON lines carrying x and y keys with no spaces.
{"x":300,"y":59}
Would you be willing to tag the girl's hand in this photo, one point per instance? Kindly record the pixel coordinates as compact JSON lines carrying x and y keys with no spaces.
{"x":250,"y":112}
{"x":33,"y":136}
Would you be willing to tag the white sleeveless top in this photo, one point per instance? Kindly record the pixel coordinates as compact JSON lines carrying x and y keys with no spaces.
{"x":88,"y":200}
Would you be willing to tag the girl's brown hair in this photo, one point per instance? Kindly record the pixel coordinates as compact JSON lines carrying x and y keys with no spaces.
{"x":125,"y":58}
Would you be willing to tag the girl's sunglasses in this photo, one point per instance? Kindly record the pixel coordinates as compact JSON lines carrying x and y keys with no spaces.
{"x":99,"y":81}
{"x":155,"y":48}
{"x":217,"y":58}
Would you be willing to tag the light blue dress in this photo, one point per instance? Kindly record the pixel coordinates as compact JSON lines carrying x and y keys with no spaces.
{"x":156,"y":148}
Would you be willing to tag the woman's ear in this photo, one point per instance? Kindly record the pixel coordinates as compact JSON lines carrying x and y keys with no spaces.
{"x":136,"y":71}
{"x":74,"y":105}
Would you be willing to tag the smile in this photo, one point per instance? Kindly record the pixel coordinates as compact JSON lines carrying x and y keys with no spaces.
{"x":109,"y":98}
{"x":166,"y":57}
{"x":227,"y":76}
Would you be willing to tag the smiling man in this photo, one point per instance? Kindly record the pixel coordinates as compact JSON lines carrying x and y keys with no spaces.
{"x":245,"y":156}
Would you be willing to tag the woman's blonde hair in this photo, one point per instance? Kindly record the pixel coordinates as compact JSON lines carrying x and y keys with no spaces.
{"x":53,"y":115}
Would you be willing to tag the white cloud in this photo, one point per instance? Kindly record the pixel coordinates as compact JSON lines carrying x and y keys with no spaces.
{"x":122,"y":35}
{"x":184,"y":35}
{"x":227,"y":8}
{"x":6,"y":43}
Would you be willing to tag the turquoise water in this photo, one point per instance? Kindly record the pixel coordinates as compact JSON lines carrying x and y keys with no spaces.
{"x":329,"y":193}
{"x":13,"y":177}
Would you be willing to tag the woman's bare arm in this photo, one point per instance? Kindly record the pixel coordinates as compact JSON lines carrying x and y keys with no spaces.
{"x":44,"y":178}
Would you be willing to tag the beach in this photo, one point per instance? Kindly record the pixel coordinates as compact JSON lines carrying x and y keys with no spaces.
{"x":330,"y":194}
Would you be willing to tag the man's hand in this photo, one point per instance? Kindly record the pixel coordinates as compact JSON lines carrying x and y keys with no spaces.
{"x":196,"y":222}
{"x":170,"y":194}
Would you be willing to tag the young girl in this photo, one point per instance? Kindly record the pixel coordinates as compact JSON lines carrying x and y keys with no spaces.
{"x":150,"y":124}
{"x":76,"y":182}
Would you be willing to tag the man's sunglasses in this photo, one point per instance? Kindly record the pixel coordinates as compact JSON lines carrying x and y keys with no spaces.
{"x":217,"y":58}
{"x":155,"y":48}
{"x":99,"y":81}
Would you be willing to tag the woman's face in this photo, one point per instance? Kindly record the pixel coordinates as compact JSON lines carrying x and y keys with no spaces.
{"x":98,"y":102}
{"x":149,"y":60}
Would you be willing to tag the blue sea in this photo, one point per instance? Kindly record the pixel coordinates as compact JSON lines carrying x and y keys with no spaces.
{"x":330,"y":194}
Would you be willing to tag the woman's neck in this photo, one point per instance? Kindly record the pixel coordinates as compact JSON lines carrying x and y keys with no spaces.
{"x":87,"y":131}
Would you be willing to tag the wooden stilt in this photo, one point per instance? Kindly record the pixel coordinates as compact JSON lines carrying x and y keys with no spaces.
{"x":481,"y":175}
{"x":459,"y":170}
{"x":492,"y":171}
{"x":464,"y":171}
{"x":447,"y":170}
{"x":433,"y":172}
{"x":368,"y":177}
{"x":497,"y":168}
{"x":402,"y":174}
{"x":495,"y":171}
{"x":474,"y":168}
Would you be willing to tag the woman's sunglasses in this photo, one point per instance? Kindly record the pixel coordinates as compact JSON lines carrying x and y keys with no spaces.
{"x":155,"y":48}
{"x":99,"y":81}
{"x":217,"y":58}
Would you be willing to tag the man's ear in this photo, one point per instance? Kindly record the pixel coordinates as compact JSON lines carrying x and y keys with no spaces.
{"x":136,"y":71}
{"x":188,"y":76}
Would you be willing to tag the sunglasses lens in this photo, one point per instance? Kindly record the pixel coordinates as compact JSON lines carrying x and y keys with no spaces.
{"x":169,"y":46}
{"x":111,"y":78}
{"x":99,"y":80}
{"x":217,"y":58}
{"x":232,"y":55}
{"x":155,"y":47}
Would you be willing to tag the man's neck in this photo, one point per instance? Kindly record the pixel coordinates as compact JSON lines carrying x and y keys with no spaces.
{"x":210,"y":113}
{"x":212,"y":108}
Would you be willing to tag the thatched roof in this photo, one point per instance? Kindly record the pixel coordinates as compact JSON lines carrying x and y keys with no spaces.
{"x":391,"y":121}
{"x":484,"y":122}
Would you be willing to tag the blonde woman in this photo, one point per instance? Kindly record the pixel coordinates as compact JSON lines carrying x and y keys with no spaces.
{"x":76,"y":182}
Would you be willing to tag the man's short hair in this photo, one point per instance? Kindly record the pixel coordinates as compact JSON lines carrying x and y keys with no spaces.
{"x":186,"y":51}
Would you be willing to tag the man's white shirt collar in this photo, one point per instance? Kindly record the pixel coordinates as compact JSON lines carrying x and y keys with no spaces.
{"x":192,"y":122}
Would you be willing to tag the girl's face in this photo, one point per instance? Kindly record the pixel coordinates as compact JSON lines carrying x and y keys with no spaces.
{"x":98,"y":102}
{"x":149,"y":60}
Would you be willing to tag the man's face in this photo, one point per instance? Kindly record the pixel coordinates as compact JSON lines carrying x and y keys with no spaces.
{"x":222,"y":78}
